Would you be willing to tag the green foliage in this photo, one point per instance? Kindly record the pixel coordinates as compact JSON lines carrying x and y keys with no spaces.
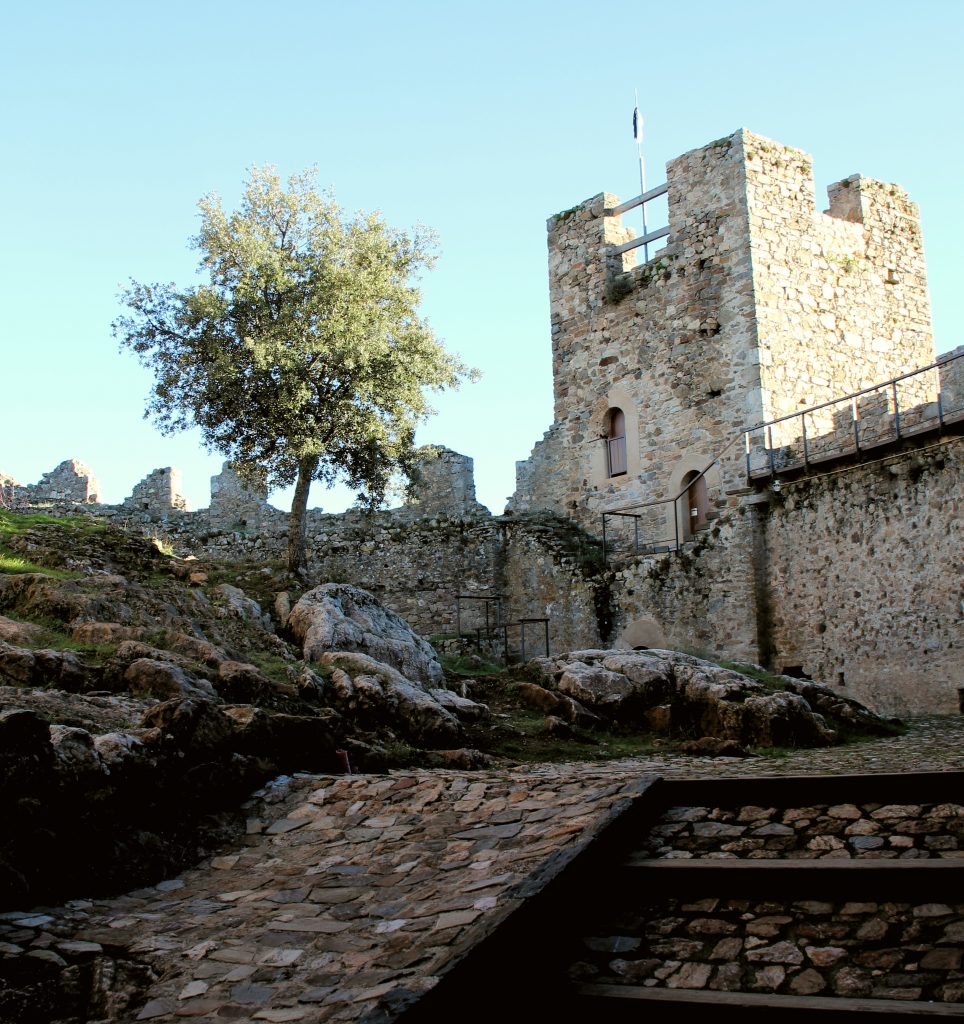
{"x":469,"y":665}
{"x":303,"y":356}
{"x":12,"y":524}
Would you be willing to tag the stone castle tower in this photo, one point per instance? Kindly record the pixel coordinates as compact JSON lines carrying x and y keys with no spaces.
{"x":758,"y":306}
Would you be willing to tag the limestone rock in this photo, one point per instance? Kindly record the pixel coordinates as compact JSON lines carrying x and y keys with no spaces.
{"x":682,"y":695}
{"x":14,"y":632}
{"x":375,"y":694}
{"x":464,"y":709}
{"x":339,"y":617}
{"x":75,"y":755}
{"x":165,"y":680}
{"x":236,"y":603}
{"x":193,"y":724}
{"x":24,"y":667}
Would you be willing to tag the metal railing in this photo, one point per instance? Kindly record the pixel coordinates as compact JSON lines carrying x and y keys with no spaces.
{"x":872,"y":417}
{"x":910,"y":403}
{"x":653,"y":516}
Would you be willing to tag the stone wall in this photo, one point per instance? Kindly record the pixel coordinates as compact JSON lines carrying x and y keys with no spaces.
{"x":158,"y":492}
{"x":851,"y":578}
{"x":71,"y":480}
{"x":864,"y":581}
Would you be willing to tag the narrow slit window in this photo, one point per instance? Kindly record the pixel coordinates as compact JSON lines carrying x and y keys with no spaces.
{"x":616,"y":442}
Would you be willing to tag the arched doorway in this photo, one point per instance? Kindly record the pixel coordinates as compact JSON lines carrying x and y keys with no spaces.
{"x":616,"y":442}
{"x":695,"y":504}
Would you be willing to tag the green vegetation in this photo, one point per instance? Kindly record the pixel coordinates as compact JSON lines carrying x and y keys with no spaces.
{"x":14,"y":524}
{"x":465,"y":666}
{"x":304,"y":357}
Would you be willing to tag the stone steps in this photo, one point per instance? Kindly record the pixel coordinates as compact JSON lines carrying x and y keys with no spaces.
{"x":633,"y":929}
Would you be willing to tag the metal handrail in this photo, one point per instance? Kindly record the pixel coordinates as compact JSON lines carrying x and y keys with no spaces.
{"x":943,"y":361}
{"x":633,"y":511}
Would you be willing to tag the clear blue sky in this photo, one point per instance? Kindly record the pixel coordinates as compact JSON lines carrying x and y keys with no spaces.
{"x":479,"y":120}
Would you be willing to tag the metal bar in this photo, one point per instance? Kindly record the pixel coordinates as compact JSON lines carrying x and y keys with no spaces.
{"x":940,"y":408}
{"x":522,"y":638}
{"x":604,"y":537}
{"x":676,"y":522}
{"x":631,"y":204}
{"x":746,"y":438}
{"x":855,"y":412}
{"x":896,"y":410}
{"x":651,"y":236}
{"x":806,"y":451}
{"x":773,"y":467}
{"x":636,"y":534}
{"x":866,"y":391}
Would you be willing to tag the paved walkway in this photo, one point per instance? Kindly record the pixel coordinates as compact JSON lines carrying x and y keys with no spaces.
{"x":352,"y":893}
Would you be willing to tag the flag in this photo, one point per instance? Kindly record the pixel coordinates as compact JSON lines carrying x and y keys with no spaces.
{"x":637,"y":126}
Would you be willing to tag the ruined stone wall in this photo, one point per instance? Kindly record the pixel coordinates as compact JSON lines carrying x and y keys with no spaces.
{"x":159,"y":491}
{"x":703,"y":600}
{"x":71,"y":480}
{"x":444,"y":483}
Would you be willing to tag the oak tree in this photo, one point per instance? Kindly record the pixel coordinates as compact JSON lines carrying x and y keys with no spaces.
{"x":302,"y":355}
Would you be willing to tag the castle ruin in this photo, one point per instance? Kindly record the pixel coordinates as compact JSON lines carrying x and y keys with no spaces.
{"x":753,"y":422}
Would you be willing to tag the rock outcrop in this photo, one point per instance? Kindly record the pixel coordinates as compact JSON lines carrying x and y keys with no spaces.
{"x":675,"y":693}
{"x":339,"y":617}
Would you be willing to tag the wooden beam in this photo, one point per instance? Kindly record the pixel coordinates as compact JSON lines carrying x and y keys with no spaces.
{"x":642,"y":240}
{"x":631,"y":204}
{"x":636,"y":997}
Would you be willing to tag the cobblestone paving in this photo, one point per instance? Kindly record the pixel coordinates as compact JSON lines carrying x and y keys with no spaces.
{"x":353,"y":891}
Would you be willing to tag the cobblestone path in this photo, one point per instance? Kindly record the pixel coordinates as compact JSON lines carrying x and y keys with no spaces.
{"x":351,"y":893}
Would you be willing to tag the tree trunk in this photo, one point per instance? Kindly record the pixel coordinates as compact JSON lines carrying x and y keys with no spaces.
{"x":297,"y":558}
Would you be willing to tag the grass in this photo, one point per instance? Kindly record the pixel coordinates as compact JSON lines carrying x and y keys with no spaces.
{"x":13,"y":524}
{"x":274,"y":666}
{"x":15,"y":564}
{"x":469,"y":666}
{"x":773,"y":682}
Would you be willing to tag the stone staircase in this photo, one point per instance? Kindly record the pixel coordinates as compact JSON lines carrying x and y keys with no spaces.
{"x":741,"y":899}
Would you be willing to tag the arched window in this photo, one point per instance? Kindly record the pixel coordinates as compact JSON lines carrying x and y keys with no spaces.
{"x":696,"y":504}
{"x":616,"y":442}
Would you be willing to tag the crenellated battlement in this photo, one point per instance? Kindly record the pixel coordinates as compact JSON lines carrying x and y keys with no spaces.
{"x":759,"y":305}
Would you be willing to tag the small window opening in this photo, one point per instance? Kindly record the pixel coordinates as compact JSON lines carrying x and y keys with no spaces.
{"x":696,"y":504}
{"x":795,"y":672}
{"x":616,"y":442}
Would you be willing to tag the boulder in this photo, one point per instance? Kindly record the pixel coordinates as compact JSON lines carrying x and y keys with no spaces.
{"x":339,"y":617}
{"x":376,"y":695}
{"x":464,"y":709}
{"x":23,"y":667}
{"x":195,"y":725}
{"x":676,"y":693}
{"x":235,"y":602}
{"x":14,"y":632}
{"x":75,"y":757}
{"x":596,"y":688}
{"x":165,"y":680}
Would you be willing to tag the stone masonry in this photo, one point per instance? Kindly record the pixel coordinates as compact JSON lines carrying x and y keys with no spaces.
{"x":757,"y":307}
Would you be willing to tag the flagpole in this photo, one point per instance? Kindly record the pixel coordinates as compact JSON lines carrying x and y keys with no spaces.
{"x":638,"y":134}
